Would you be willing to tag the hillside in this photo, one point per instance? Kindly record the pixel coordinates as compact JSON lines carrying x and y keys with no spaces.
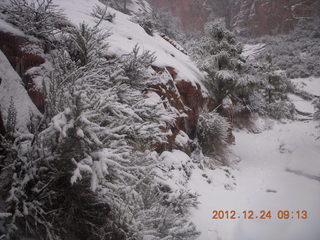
{"x":110,"y":129}
{"x":249,"y":18}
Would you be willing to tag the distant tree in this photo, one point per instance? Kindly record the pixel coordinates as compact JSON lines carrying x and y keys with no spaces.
{"x":277,"y":85}
{"x":162,"y":21}
{"x":218,"y":54}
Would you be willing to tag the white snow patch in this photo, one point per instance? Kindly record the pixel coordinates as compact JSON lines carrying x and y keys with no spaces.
{"x":310,"y":85}
{"x":301,"y":104}
{"x":182,"y":139}
{"x":174,"y":169}
{"x":9,"y":28}
{"x":250,"y":51}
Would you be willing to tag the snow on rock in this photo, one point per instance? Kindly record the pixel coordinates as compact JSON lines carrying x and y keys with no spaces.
{"x":182,"y":139}
{"x":301,"y":105}
{"x":310,"y":85}
{"x":11,"y":87}
{"x":250,"y":51}
{"x":175,"y":169}
{"x":126,"y":34}
{"x":8,"y":28}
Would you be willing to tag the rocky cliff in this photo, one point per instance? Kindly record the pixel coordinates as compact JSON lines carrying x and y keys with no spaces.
{"x":248,"y":17}
{"x":258,"y":17}
{"x":184,"y":92}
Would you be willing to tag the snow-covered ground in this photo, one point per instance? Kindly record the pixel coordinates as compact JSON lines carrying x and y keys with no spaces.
{"x":310,"y":85}
{"x":279,"y":169}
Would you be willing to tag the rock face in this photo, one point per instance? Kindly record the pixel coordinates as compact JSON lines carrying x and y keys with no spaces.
{"x":251,"y":18}
{"x":12,"y":46}
{"x":192,"y":13}
{"x":258,"y":17}
{"x":188,"y":99}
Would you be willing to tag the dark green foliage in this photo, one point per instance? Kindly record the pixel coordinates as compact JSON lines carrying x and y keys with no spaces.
{"x":212,"y":132}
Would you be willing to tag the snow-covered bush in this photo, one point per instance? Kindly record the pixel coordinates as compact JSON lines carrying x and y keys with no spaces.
{"x":40,"y":18}
{"x":218,"y":53}
{"x":84,"y":44}
{"x":212,"y":131}
{"x":271,"y":98}
{"x":276,"y":85}
{"x":102,"y":14}
{"x":88,"y":172}
{"x":281,"y":109}
{"x":135,"y":66}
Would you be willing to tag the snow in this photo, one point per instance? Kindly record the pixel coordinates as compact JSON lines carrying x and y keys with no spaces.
{"x":139,"y":7}
{"x":301,"y":104}
{"x":9,"y":28}
{"x":264,"y":183}
{"x":174,"y":169}
{"x":11,"y":87}
{"x":182,"y":139}
{"x":250,"y":51}
{"x":310,"y":85}
{"x":278,"y":169}
{"x":127,"y":34}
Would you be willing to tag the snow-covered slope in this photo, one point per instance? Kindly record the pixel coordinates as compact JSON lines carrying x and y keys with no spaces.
{"x":279,"y":169}
{"x":11,"y":87}
{"x":126,"y":34}
{"x":310,"y":85}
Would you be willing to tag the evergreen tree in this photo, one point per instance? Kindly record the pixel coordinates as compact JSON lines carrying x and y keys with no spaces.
{"x":90,"y":174}
{"x":277,"y":85}
{"x":218,"y":54}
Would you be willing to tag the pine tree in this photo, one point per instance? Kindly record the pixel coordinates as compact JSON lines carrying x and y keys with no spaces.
{"x":277,"y":85}
{"x":90,"y":174}
{"x":218,"y":54}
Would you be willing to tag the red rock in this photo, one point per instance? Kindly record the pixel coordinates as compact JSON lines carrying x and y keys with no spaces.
{"x":172,"y":72}
{"x":188,"y":99}
{"x":249,"y":17}
{"x":258,"y":17}
{"x":21,"y":61}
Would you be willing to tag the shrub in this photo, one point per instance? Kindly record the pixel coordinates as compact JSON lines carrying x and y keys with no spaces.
{"x":40,"y":18}
{"x":281,"y":109}
{"x":212,"y":131}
